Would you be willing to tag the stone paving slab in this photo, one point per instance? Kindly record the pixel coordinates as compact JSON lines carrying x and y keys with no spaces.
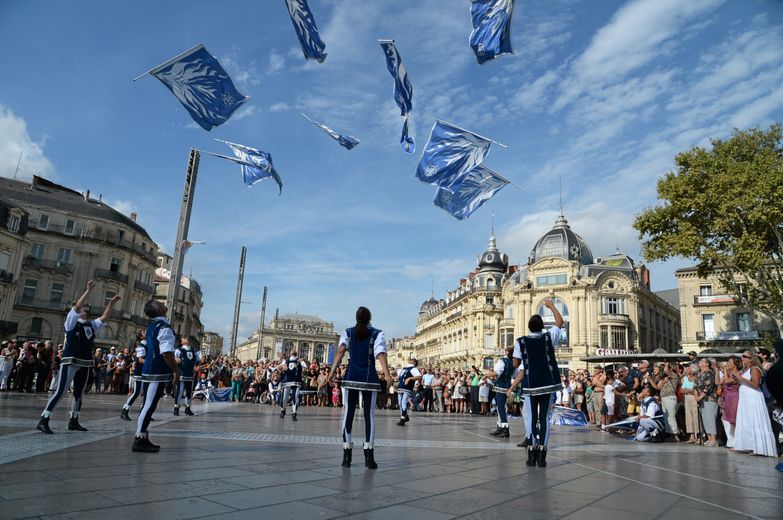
{"x":236,"y":461}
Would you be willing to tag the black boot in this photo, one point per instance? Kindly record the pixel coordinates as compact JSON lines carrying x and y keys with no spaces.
{"x":188,"y":411}
{"x":176,"y":409}
{"x":504,"y":434}
{"x":542,"y":457}
{"x":282,"y":413}
{"x":346,"y":458}
{"x":369,"y":458}
{"x":498,"y":431}
{"x":73,"y":425}
{"x":293,"y":416}
{"x":524,"y":444}
{"x":401,"y":422}
{"x":43,"y":426}
{"x":532,"y":456}
{"x":406,"y":417}
{"x":124,"y":415}
{"x":143,"y":445}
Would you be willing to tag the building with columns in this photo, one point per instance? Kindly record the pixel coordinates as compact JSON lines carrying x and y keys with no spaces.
{"x":714,"y":318}
{"x":211,"y":344}
{"x":189,"y":302}
{"x":311,"y":336}
{"x":606,"y":302}
{"x":462,"y":330}
{"x":400,"y":350}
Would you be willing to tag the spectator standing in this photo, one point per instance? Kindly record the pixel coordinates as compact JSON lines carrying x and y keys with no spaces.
{"x":437,"y":391}
{"x":44,"y":366}
{"x":706,"y":395}
{"x":426,"y":381}
{"x":667,"y":386}
{"x":27,"y":363}
{"x":7,"y":362}
{"x":754,"y":431}
{"x":599,"y":380}
{"x":730,"y":397}
{"x":691,"y":405}
{"x":484,"y":388}
{"x":475,"y":379}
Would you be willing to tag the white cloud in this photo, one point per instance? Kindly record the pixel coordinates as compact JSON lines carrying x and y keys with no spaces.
{"x":16,"y":140}
{"x":276,"y":63}
{"x":243,"y":75}
{"x":245,"y":111}
{"x":279,"y":107}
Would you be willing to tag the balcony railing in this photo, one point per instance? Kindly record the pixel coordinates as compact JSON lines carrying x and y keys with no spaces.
{"x":110,"y":237}
{"x":51,"y":265}
{"x":111,"y":275}
{"x":6,"y":277}
{"x":737,"y":335}
{"x":714,"y":299}
{"x":52,"y":305}
{"x":145,"y":287}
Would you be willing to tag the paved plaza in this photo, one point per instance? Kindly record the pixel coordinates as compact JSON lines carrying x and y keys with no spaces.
{"x":236,"y":461}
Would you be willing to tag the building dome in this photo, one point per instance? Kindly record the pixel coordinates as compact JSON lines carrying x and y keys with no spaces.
{"x":492,"y":259}
{"x":428,"y":305}
{"x":561,"y":242}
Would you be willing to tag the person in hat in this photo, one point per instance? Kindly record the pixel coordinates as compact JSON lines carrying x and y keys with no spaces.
{"x":77,"y":359}
{"x":406,"y":382}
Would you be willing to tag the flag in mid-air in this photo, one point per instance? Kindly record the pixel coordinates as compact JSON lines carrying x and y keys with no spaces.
{"x":450,"y":152}
{"x":346,"y":141}
{"x":403,"y":90}
{"x":201,"y":85}
{"x":491,"y":34}
{"x":256,"y":165}
{"x":304,"y":25}
{"x":469,"y":191}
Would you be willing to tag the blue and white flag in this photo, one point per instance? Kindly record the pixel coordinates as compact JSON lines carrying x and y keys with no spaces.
{"x":256,"y":165}
{"x":468,"y":192}
{"x":450,"y":153}
{"x":201,"y":85}
{"x":491,"y":34}
{"x":562,"y":416}
{"x":346,"y":141}
{"x":306,"y":30}
{"x":403,"y":90}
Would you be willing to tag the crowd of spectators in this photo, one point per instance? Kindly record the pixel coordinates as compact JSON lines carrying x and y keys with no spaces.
{"x":700,"y":400}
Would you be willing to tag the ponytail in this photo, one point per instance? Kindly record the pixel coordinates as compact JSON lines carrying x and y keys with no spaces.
{"x":363,"y":318}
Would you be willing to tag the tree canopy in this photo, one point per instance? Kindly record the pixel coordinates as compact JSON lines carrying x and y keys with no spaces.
{"x":723,"y":208}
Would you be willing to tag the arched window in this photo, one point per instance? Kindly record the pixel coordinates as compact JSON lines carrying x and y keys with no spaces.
{"x":304,"y":351}
{"x":288,"y":346}
{"x":319,"y":353}
{"x":488,"y":363}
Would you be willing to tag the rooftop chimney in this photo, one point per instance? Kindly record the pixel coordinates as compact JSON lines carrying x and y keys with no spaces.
{"x":133,"y":216}
{"x":87,"y":195}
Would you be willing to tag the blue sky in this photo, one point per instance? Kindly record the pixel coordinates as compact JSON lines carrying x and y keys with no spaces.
{"x":602,"y":93}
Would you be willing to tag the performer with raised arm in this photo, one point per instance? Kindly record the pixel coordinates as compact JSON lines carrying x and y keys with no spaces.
{"x":407,"y":380}
{"x":540,"y":379}
{"x":292,"y":381}
{"x":187,"y":360}
{"x":503,"y":374}
{"x":77,"y":358}
{"x":365,"y":344}
{"x":160,"y":367}
{"x":138,"y":364}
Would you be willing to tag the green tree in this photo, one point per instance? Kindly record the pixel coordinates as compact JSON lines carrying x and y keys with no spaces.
{"x":723,"y":208}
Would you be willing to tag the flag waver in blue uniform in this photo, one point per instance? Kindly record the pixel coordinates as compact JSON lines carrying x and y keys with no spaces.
{"x":292,"y":382}
{"x":138,"y":364}
{"x":160,"y":367}
{"x":187,"y":360}
{"x":77,"y":359}
{"x":403,"y":90}
{"x":365,"y":345}
{"x":407,"y":378}
{"x":306,"y":30}
{"x":502,"y":373}
{"x":491,"y":34}
{"x":539,"y":376}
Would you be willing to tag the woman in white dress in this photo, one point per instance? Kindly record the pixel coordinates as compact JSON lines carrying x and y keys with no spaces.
{"x":753,"y":432}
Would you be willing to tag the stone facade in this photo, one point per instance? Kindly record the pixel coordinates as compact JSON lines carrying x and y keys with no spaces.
{"x":211,"y":344}
{"x":13,"y":245}
{"x":713,"y":319}
{"x":311,"y":336}
{"x":73,"y":238}
{"x":187,"y":315}
{"x":399,"y":351}
{"x":606,"y":302}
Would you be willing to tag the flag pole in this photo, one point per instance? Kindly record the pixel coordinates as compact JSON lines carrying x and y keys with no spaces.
{"x":172,"y":60}
{"x":496,"y":174}
{"x":472,"y":132}
{"x":303,"y":115}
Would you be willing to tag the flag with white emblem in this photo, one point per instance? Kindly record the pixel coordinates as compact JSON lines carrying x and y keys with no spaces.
{"x":256,"y":165}
{"x":346,"y":141}
{"x":468,"y":192}
{"x":306,"y":30}
{"x":201,"y":85}
{"x":450,"y":152}
{"x":403,"y":90}
{"x":491,"y":34}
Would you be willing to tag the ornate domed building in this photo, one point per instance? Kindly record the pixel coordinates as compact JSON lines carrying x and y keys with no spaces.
{"x":462,"y":329}
{"x":606,"y":302}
